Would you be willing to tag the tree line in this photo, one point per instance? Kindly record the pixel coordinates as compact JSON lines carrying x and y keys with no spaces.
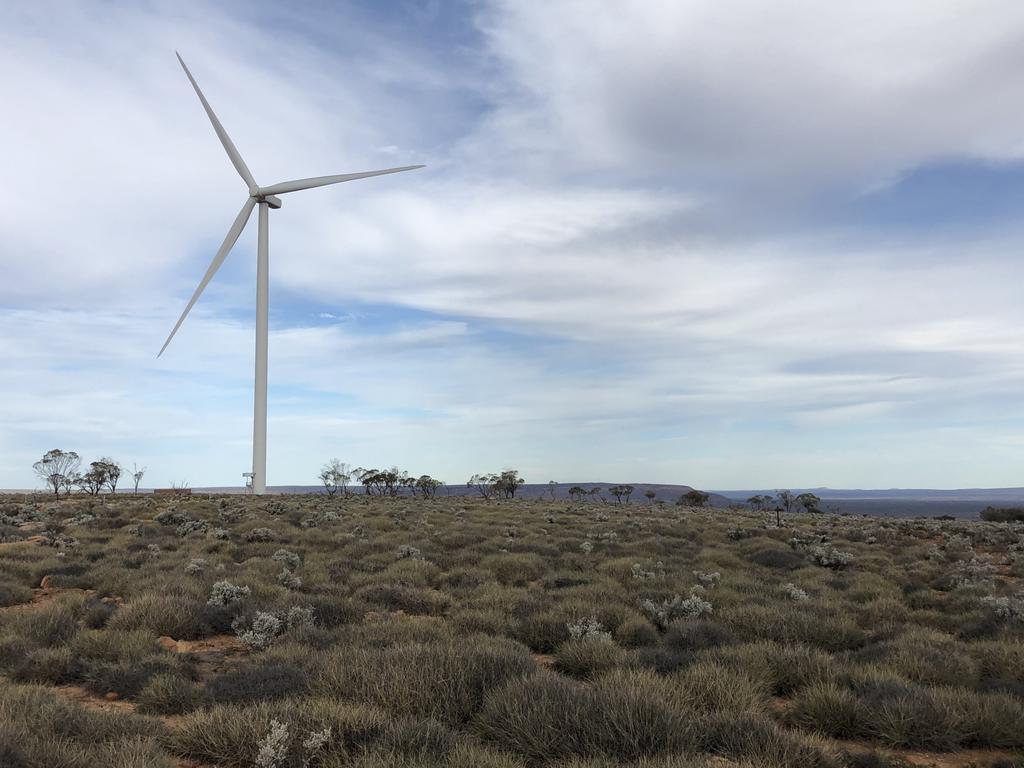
{"x":61,"y":472}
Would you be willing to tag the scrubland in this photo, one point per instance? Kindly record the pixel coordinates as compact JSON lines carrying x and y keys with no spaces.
{"x":364,"y":631}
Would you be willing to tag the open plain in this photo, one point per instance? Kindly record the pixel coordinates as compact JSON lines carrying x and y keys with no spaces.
{"x":377,"y":631}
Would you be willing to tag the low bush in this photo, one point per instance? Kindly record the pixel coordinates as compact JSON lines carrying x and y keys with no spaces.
{"x":544,"y":717}
{"x":445,"y":681}
{"x":695,"y":635}
{"x":168,"y":693}
{"x":636,"y":632}
{"x":396,"y":597}
{"x":588,"y":657}
{"x":12,"y":593}
{"x":258,"y":682}
{"x":177,"y":616}
{"x":1002,"y":514}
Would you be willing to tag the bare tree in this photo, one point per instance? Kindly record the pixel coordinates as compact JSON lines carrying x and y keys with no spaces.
{"x":552,"y":489}
{"x":58,"y":469}
{"x":137,"y":475}
{"x":485,"y":484}
{"x":334,"y":476}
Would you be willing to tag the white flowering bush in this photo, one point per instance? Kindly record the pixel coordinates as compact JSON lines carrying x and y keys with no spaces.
{"x":793,"y":592}
{"x":408,"y":552}
{"x":260,"y":535}
{"x":299,"y":616}
{"x":195,"y":566}
{"x":224,"y":594}
{"x":828,"y":556}
{"x":314,"y":744}
{"x":662,"y":614}
{"x":274,"y":748}
{"x":288,"y":579}
{"x":588,"y":626}
{"x":290,"y":559}
{"x":708,"y":579}
{"x":262,"y":632}
{"x":1006,"y":608}
{"x":642,"y":574}
{"x":978,"y":571}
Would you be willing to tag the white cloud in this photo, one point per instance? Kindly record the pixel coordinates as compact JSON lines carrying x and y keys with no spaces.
{"x":586,"y":285}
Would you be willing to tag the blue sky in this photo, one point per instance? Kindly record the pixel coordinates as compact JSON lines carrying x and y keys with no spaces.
{"x":729,"y":245}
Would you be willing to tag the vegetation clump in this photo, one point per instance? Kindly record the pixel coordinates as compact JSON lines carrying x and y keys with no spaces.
{"x":372,"y":627}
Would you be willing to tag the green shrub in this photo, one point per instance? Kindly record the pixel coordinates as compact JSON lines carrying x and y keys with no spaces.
{"x":395,"y":597}
{"x":169,"y":694}
{"x":1002,"y":514}
{"x":176,"y":616}
{"x":544,"y":631}
{"x":636,"y":632}
{"x":778,"y":558}
{"x":829,"y":709}
{"x":588,"y":656}
{"x":12,"y":593}
{"x":710,"y":688}
{"x":257,"y":682}
{"x":759,"y":740}
{"x":696,"y":634}
{"x":231,"y":736}
{"x":544,"y":717}
{"x":443,"y":681}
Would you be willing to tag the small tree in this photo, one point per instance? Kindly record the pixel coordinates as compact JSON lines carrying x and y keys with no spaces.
{"x":509,"y":482}
{"x":694,"y":498}
{"x":335,"y":476}
{"x":552,"y":489}
{"x":113,"y":472}
{"x":809,"y":502}
{"x":137,"y":475}
{"x":577,"y":493}
{"x":621,"y":492}
{"x":650,"y":494}
{"x":597,"y":491}
{"x":759,"y":502}
{"x":484,"y":484}
{"x":427,"y":486}
{"x":58,"y":469}
{"x":92,"y":482}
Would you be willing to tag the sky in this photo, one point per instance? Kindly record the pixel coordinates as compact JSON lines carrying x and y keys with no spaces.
{"x":730,"y":245}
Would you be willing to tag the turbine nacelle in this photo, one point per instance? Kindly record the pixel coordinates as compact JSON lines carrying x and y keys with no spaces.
{"x":272,"y":200}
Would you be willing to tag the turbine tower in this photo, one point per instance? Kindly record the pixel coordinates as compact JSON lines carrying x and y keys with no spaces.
{"x":266,"y":198}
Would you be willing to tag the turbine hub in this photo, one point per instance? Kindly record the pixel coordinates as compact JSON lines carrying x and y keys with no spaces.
{"x":272,"y":200}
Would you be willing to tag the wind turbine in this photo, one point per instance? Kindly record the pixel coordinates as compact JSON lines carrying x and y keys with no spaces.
{"x":266,"y":198}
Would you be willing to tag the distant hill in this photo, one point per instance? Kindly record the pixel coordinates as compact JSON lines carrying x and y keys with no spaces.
{"x":665,"y":492}
{"x":964,"y":503}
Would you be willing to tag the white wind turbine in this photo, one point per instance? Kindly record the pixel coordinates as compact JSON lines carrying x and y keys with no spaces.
{"x":266,"y":198}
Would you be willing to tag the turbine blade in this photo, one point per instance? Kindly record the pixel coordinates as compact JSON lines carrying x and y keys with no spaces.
{"x":225,"y":247}
{"x":322,"y":181}
{"x":229,"y":147}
